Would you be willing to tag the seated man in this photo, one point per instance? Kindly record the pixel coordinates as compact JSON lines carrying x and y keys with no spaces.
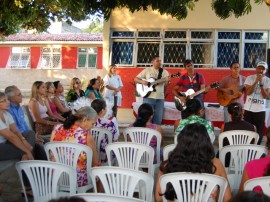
{"x":15,"y":97}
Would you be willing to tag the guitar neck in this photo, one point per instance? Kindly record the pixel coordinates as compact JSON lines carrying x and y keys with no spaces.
{"x":158,"y":81}
{"x":198,"y":92}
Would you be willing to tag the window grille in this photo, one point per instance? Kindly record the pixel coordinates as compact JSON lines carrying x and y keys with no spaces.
{"x":50,"y":58}
{"x":87,"y":57}
{"x":20,"y":57}
{"x":205,"y":47}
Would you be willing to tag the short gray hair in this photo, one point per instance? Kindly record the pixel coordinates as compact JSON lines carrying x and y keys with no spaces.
{"x":9,"y":91}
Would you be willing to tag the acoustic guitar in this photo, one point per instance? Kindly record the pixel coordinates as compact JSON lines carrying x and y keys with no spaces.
{"x":190,"y":94}
{"x":233,"y":92}
{"x":144,"y":91}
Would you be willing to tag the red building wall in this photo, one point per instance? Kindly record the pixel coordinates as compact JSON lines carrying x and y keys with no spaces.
{"x":35,"y":55}
{"x":99,"y":57}
{"x":210,"y":75}
{"x":4,"y":56}
{"x":69,"y":57}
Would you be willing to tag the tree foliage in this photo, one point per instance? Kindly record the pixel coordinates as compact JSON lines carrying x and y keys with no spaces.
{"x":96,"y":26}
{"x":37,"y":14}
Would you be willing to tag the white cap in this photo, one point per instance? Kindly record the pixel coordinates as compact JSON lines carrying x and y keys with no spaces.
{"x":262,"y":64}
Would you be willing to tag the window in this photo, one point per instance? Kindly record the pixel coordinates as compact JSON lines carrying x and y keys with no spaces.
{"x":20,"y":57}
{"x":255,"y":47}
{"x":207,"y":48}
{"x":87,"y":58}
{"x":50,"y":57}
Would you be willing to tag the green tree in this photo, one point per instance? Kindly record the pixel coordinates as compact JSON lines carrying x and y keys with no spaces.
{"x":37,"y":14}
{"x":96,"y":26}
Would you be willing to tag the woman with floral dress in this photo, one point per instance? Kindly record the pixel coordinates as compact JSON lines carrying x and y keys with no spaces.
{"x":76,"y":130}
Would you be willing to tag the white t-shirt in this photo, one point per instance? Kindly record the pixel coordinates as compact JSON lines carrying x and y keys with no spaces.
{"x":116,"y":82}
{"x":255,"y":102}
{"x":151,"y":72}
{"x":3,"y":125}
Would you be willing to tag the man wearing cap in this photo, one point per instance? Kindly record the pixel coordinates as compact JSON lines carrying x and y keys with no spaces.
{"x":257,"y":90}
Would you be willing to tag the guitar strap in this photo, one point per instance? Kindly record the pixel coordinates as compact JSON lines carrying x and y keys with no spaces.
{"x":240,"y":80}
{"x":160,"y":70}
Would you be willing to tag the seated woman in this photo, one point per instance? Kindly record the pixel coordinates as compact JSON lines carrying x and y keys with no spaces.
{"x":13,"y":145}
{"x":60,"y":101}
{"x":195,"y":112}
{"x":193,"y":153}
{"x":92,"y":90}
{"x":50,"y":96}
{"x":40,"y":111}
{"x":99,"y":105}
{"x":76,"y":129}
{"x":258,"y":167}
{"x":75,"y":90}
{"x":237,"y":123}
{"x":144,"y":119}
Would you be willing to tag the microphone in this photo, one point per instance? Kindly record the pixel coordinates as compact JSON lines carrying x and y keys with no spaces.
{"x":261,"y":73}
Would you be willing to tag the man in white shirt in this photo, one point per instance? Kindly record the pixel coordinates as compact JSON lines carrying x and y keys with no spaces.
{"x":156,"y":98}
{"x":257,"y":90}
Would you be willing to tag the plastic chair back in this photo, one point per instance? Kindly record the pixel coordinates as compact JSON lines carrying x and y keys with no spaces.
{"x":236,"y":137}
{"x":44,"y":179}
{"x":195,"y":187}
{"x":167,"y":150}
{"x":98,"y":197}
{"x":240,"y":155}
{"x":131,"y":155}
{"x":262,"y":182}
{"x":68,"y":153}
{"x":99,"y":134}
{"x":143,"y":136}
{"x":122,"y":181}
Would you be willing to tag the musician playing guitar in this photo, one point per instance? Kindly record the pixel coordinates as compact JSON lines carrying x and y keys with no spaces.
{"x":189,"y":80}
{"x":231,"y":89}
{"x":156,"y":98}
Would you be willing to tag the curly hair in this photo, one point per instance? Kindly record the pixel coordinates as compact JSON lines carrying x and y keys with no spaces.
{"x":145,"y":111}
{"x":193,"y":153}
{"x":235,"y":110}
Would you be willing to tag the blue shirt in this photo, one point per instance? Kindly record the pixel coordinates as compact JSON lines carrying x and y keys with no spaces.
{"x":17,"y":113}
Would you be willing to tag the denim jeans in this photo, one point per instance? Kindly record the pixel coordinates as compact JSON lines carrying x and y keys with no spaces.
{"x":158,"y":107}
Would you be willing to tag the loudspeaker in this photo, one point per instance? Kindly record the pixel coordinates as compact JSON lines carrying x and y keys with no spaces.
{"x":268,"y":62}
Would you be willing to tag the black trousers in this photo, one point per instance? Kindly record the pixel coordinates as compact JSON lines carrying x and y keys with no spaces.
{"x":257,"y":119}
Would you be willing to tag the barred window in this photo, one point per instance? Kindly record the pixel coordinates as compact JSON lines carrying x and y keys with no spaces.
{"x":207,"y":48}
{"x":87,"y":57}
{"x":255,"y":48}
{"x":20,"y":57}
{"x":228,"y":47}
{"x":50,"y":58}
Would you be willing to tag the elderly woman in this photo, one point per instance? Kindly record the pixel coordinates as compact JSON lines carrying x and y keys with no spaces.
{"x":13,"y":145}
{"x":76,"y":130}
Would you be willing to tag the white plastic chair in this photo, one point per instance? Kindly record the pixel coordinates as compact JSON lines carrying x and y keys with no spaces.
{"x":68,"y":153}
{"x":122,"y":181}
{"x":263,"y":182}
{"x":195,"y":187}
{"x":236,"y":137}
{"x":99,"y":134}
{"x":240,"y":155}
{"x":144,"y":136}
{"x":131,"y":155}
{"x":167,"y":150}
{"x":44,"y":178}
{"x":98,"y":197}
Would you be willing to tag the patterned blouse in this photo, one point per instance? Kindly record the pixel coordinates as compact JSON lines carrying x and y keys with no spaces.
{"x":75,"y":135}
{"x":196,"y":119}
{"x":109,"y":125}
